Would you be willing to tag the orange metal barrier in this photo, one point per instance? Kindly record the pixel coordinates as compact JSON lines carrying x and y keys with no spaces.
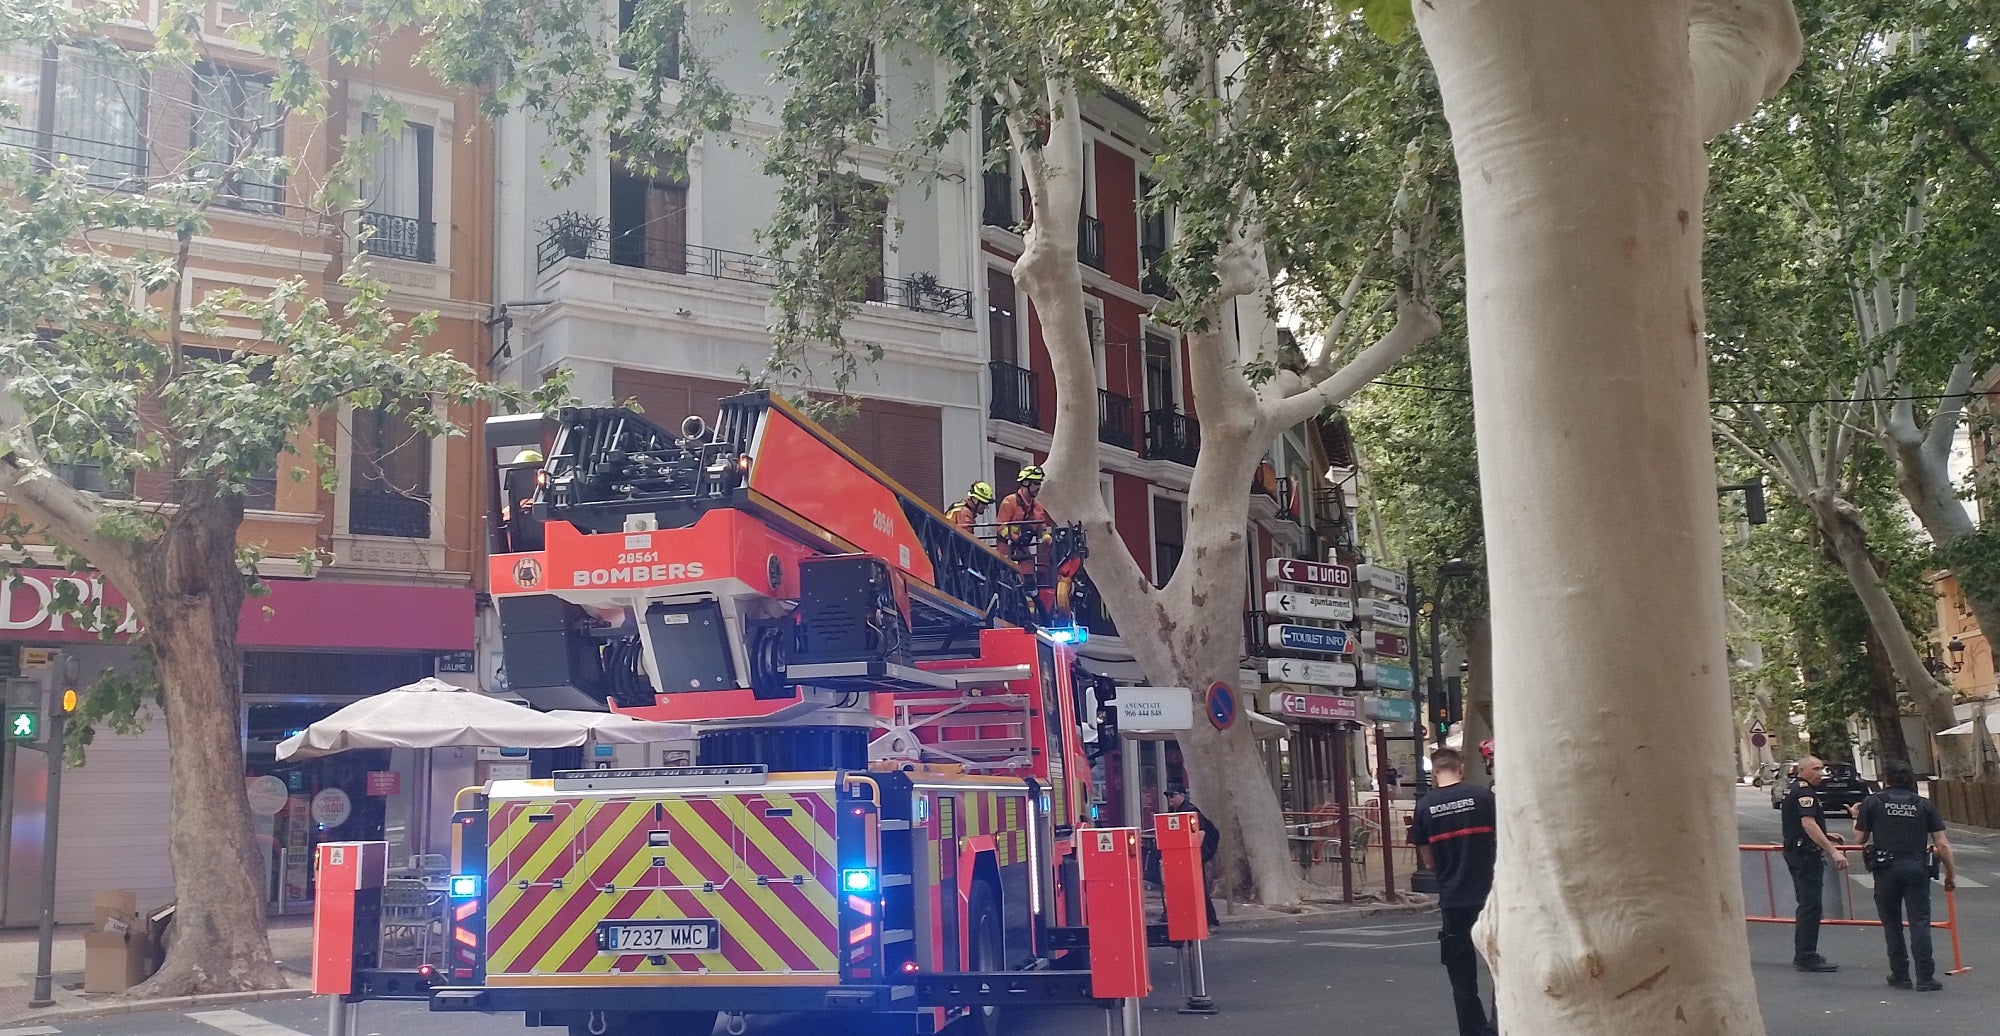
{"x":1839,"y":891}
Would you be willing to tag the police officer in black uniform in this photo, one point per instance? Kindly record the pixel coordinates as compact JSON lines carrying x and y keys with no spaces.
{"x":1902,"y":829}
{"x":1806,"y":845}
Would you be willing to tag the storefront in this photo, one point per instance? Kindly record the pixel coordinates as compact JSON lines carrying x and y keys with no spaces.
{"x":309,"y":648}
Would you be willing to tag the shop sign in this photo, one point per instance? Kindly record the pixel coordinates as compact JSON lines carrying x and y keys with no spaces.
{"x":1292,"y":570}
{"x":1142,"y":709}
{"x":1383,"y":610}
{"x":455,"y":662}
{"x":1389,"y":710}
{"x":383,"y":783}
{"x":28,"y":602}
{"x":1303,"y":670}
{"x":1327,"y":707}
{"x":1387,"y":677}
{"x":1308,"y":606}
{"x":1310,"y":638}
{"x":268,"y":795}
{"x":331,"y":807}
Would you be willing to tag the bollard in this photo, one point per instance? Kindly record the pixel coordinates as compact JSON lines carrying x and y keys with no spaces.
{"x":1185,"y":892}
{"x":340,"y":1016}
{"x":1116,"y":915}
{"x":1197,"y":972}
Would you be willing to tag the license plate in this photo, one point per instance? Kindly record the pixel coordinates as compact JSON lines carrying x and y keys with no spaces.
{"x":702,"y":936}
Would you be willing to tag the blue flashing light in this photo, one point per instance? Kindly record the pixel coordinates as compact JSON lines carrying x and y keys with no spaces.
{"x":1071,"y":634}
{"x":858,"y":880}
{"x":465,"y":886}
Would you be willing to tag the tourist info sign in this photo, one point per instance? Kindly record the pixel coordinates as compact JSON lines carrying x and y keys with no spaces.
{"x":1308,"y":606}
{"x":1310,"y":638}
{"x":1292,"y":570}
{"x":1306,"y":670}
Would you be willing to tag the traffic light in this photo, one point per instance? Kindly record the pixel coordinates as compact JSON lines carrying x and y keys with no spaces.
{"x":1454,"y":699}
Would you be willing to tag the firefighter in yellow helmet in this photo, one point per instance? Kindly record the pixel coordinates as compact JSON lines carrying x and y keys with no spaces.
{"x":1024,"y":523}
{"x":519,"y":483}
{"x":966,"y":513}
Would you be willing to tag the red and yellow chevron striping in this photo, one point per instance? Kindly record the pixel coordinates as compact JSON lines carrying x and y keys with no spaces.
{"x":760,"y":864}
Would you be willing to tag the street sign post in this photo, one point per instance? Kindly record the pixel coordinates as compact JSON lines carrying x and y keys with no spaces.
{"x":1304,"y":670}
{"x":1382,"y":610}
{"x":1327,"y":707}
{"x":1386,"y":578}
{"x":1308,"y":606}
{"x":1387,"y":677}
{"x":1310,"y":638}
{"x":1389,"y":710}
{"x":1292,"y":570}
{"x":1758,"y":738}
{"x":1388,"y":644}
{"x":1145,"y":709}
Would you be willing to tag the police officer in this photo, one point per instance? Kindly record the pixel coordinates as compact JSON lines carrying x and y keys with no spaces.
{"x":1807,"y":850}
{"x":1902,"y":829}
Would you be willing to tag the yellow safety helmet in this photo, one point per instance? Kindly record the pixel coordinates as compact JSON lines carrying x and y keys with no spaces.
{"x":528,"y":457}
{"x":1031,"y":473}
{"x":980,"y":492}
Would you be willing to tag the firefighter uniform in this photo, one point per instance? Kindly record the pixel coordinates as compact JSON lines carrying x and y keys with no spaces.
{"x":1898,"y":824}
{"x":1805,"y":860}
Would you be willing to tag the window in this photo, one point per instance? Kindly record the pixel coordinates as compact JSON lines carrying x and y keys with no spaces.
{"x":860,"y":206}
{"x":100,"y":111}
{"x":389,"y":484}
{"x":1152,"y":244}
{"x":238,"y":126}
{"x":864,"y":81}
{"x":400,"y":208}
{"x":648,"y":213}
{"x":1161,"y":373}
{"x":663,"y":21}
{"x":1003,"y":335}
{"x":89,"y":476}
{"x":997,"y":177}
{"x":1169,"y":523}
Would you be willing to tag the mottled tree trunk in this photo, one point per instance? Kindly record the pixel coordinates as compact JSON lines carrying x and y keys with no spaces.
{"x":1884,"y":713}
{"x":190,"y":592}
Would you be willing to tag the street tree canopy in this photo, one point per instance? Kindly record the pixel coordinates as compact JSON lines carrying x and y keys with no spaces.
{"x":175,"y":400}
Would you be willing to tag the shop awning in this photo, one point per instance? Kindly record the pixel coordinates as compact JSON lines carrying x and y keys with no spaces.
{"x":433,"y":714}
{"x":1967,"y":726}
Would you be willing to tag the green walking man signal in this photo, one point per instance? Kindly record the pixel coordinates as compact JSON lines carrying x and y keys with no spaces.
{"x":24,"y":724}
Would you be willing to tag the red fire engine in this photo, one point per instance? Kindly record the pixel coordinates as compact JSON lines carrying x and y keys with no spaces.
{"x":890,"y":811}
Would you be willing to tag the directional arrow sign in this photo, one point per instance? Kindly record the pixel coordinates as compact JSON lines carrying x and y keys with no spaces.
{"x":1310,"y":638}
{"x":1387,"y":677}
{"x":1390,"y":710}
{"x":1308,"y":606}
{"x":1387,"y":644}
{"x":1316,"y":706}
{"x":1292,"y":570}
{"x":1382,"y":610}
{"x":1301,"y":670}
{"x":1387,"y":578}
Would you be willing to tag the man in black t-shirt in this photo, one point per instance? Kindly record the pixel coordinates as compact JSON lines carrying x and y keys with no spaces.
{"x":1902,"y":831}
{"x":1454,"y":834}
{"x":1807,"y":851}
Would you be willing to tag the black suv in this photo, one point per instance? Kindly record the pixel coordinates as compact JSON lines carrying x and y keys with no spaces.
{"x":1841,"y":788}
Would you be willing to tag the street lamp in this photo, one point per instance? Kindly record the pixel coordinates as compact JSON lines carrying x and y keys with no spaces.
{"x":1956,"y":648}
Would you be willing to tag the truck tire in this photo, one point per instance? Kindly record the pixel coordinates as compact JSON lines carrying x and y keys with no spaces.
{"x":985,"y":951}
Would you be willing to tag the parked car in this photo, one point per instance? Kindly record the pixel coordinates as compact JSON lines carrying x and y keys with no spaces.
{"x":1841,"y":788}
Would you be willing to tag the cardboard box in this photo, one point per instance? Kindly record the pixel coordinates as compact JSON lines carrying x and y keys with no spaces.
{"x":116,"y":952}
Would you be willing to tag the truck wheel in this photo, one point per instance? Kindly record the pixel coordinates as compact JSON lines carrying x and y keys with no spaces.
{"x":985,"y":952}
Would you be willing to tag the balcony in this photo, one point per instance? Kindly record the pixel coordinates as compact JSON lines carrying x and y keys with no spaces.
{"x":1114,"y":419}
{"x":917,"y":293}
{"x":1172,"y":435}
{"x":399,"y":237}
{"x":1153,"y":272}
{"x":1016,"y":395}
{"x":382,"y":512}
{"x":1090,"y":242}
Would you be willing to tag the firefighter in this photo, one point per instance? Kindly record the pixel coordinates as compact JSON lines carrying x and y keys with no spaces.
{"x":1024,"y":523}
{"x":518,"y":485}
{"x":966,"y":513}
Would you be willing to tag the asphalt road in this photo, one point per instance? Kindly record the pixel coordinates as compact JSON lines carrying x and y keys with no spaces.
{"x":1370,"y":975}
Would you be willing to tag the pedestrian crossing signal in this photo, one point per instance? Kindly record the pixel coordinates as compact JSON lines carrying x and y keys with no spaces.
{"x":24,"y":725}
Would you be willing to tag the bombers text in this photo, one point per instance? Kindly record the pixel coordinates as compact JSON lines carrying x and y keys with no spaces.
{"x":636,"y":574}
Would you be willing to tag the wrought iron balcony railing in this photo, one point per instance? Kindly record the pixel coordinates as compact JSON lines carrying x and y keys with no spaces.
{"x":1090,"y":241}
{"x":1114,"y":419}
{"x":399,"y":237}
{"x":918,"y":293}
{"x":1016,"y":395}
{"x":385,"y":512}
{"x":1172,"y":435}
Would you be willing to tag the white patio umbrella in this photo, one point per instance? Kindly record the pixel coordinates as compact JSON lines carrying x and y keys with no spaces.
{"x":1992,"y":726}
{"x":434,"y":714}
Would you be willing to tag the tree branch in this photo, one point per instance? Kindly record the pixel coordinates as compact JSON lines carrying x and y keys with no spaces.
{"x":1416,"y":323}
{"x":69,"y":515}
{"x":1742,"y":51}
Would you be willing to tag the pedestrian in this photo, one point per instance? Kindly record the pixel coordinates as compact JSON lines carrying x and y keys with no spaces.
{"x":1902,"y":832}
{"x":1807,"y":852}
{"x":966,"y":512}
{"x":1454,"y":832}
{"x":1024,"y":524}
{"x":1211,"y":843}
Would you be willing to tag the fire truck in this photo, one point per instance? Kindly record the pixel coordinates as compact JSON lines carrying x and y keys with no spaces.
{"x":891,"y":806}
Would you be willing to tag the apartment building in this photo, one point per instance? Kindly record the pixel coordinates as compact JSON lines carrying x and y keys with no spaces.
{"x":394,"y":599}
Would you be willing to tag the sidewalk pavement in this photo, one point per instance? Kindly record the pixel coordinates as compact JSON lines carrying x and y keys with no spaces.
{"x":291,"y":943}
